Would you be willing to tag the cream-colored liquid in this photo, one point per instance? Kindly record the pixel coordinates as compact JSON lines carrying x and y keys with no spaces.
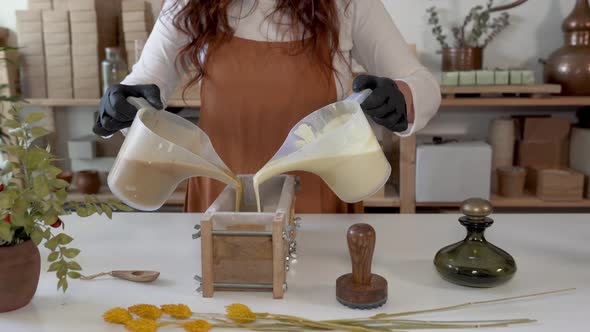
{"x":356,"y":172}
{"x":146,"y":185}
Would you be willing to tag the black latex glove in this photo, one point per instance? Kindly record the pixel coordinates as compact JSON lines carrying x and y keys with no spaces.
{"x":386,"y":105}
{"x":115,"y":113}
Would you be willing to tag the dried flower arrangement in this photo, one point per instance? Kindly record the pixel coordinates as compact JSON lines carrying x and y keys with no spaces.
{"x":478,"y":28}
{"x":147,"y":318}
{"x":32,"y":198}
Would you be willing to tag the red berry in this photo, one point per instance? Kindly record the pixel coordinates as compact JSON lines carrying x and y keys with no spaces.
{"x":57,"y":223}
{"x":8,"y":219}
{"x":1,"y":187}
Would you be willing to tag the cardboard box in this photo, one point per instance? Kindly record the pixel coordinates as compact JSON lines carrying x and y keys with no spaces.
{"x":31,"y":50}
{"x":82,"y":5}
{"x":556,"y":184}
{"x":26,"y":39}
{"x":137,"y":26}
{"x":133,"y":5}
{"x":132,"y":36}
{"x":543,"y":142}
{"x":86,"y":38}
{"x":87,"y":83}
{"x":84,"y":27}
{"x":58,"y":50}
{"x":40,"y":5}
{"x":85,"y":93}
{"x":62,"y":73}
{"x":66,"y":93}
{"x":53,"y":27}
{"x":58,"y":61}
{"x":83,"y":17}
{"x":32,"y":61}
{"x":134,"y":16}
{"x":60,"y":5}
{"x":88,"y":71}
{"x":29,"y":27}
{"x":28,"y":16}
{"x":55,"y":16}
{"x":80,"y":49}
{"x":59,"y":38}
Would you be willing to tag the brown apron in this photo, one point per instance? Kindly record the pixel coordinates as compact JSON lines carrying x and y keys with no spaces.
{"x":253,"y":93}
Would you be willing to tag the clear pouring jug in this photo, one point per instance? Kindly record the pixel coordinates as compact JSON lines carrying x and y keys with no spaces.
{"x":337,"y":143}
{"x":160,"y":151}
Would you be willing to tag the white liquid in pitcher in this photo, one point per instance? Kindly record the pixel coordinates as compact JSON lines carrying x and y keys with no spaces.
{"x":146,"y":185}
{"x":353,"y":173}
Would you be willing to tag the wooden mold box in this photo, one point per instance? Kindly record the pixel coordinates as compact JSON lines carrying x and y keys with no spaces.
{"x":249,"y":250}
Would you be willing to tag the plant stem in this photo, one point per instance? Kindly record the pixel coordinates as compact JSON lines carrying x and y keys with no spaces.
{"x":468,"y":304}
{"x":322,"y":325}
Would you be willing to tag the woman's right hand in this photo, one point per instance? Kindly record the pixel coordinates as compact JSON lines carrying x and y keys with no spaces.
{"x":115,"y":113}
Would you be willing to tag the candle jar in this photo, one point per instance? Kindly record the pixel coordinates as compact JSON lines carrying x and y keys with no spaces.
{"x":474,"y":262}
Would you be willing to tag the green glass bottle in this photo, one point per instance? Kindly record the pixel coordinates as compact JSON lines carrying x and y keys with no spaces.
{"x":474,"y":262}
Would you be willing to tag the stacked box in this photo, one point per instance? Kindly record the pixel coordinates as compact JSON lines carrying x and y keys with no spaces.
{"x":56,"y":35}
{"x":94,"y":26}
{"x":32,"y":55}
{"x":137,"y":24}
{"x":60,"y":5}
{"x":41,"y":4}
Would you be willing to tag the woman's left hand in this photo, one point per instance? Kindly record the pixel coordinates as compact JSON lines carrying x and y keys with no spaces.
{"x":386,"y":105}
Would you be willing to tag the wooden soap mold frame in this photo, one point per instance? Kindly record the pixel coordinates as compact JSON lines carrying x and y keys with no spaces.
{"x":221,"y":230}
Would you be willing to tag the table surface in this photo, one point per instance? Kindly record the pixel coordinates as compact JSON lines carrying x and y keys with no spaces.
{"x":551,"y":251}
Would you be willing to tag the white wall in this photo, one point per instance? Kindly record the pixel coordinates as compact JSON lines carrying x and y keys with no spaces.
{"x":535,"y":32}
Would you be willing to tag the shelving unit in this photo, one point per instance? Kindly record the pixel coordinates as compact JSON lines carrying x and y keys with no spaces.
{"x":405,"y":197}
{"x":95,"y":103}
{"x":177,"y":198}
{"x":456,"y":102}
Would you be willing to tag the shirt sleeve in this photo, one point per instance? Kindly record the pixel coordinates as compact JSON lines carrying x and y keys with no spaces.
{"x":157,"y":64}
{"x":380,"y":48}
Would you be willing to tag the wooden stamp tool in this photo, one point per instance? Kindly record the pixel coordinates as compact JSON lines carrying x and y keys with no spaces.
{"x":361,"y":289}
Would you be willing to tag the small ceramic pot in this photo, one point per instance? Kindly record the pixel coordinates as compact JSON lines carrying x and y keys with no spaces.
{"x":88,"y":182}
{"x":20,"y":267}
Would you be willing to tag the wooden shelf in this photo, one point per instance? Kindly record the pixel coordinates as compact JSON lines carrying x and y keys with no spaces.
{"x":177,"y":198}
{"x":95,"y":102}
{"x":504,"y":101}
{"x":391,"y":198}
{"x":458,"y":102}
{"x":521,"y":202}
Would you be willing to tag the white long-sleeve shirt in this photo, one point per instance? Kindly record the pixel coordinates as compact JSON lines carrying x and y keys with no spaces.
{"x":367,"y":34}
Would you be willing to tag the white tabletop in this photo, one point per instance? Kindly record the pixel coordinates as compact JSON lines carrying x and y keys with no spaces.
{"x":551,"y":251}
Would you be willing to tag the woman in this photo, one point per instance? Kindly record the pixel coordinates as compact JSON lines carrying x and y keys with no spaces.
{"x":263,"y":66}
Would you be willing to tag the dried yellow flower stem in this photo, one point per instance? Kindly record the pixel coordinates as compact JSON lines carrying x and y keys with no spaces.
{"x":468,"y":304}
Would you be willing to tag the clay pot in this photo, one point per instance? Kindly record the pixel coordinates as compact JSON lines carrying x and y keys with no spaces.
{"x":20,"y":267}
{"x":570,"y":65}
{"x":462,"y":59}
{"x":88,"y":182}
{"x":66,"y":176}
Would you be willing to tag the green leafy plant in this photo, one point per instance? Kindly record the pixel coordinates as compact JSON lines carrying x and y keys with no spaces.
{"x":477,"y":30}
{"x":5,"y":86}
{"x":32,"y":198}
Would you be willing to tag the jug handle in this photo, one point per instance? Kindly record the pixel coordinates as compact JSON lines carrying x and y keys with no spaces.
{"x":138,"y":103}
{"x":359,"y":97}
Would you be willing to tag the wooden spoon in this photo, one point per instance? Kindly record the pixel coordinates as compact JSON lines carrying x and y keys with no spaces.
{"x":134,"y":276}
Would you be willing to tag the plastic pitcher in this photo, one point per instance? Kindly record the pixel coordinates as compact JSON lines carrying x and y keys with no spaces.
{"x":337,"y":143}
{"x":160,"y":151}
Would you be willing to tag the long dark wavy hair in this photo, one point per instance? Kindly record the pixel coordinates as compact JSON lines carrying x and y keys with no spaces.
{"x":313,"y":23}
